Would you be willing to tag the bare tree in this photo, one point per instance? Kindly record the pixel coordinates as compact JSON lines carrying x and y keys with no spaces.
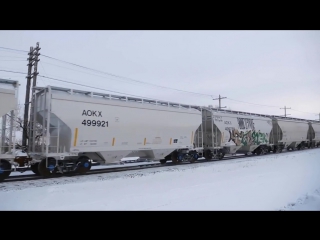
{"x":18,"y":127}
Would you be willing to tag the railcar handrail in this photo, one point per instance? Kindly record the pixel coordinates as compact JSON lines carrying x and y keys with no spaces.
{"x":164,"y":103}
{"x":7,"y":81}
{"x":120,"y":97}
{"x":260,"y":115}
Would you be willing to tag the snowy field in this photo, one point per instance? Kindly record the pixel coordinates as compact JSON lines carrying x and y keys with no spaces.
{"x":286,"y":181}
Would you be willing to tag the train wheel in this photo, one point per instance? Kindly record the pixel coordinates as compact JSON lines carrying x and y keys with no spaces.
{"x":4,"y":165}
{"x":208,"y":154}
{"x":194,"y":158}
{"x":163,"y":161}
{"x":274,"y":149}
{"x":258,"y":151}
{"x":220,"y":155}
{"x":174,"y":157}
{"x":84,"y":165}
{"x":45,"y":171}
{"x":34,"y":168}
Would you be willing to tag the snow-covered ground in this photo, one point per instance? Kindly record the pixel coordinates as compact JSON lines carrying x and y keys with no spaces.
{"x":286,"y":181}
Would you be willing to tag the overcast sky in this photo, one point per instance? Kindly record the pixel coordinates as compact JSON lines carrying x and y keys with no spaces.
{"x":273,"y":68}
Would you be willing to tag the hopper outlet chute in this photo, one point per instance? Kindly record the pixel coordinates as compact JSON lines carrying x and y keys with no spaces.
{"x":58,"y":136}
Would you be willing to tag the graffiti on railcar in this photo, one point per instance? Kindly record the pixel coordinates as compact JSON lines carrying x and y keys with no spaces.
{"x":247,"y":138}
{"x":246,"y":123}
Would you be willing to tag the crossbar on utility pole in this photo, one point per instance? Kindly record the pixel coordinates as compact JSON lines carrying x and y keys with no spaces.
{"x":285,"y":111}
{"x":220,"y":101}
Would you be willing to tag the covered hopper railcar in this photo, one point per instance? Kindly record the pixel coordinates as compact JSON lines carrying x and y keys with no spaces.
{"x":226,"y":132}
{"x":289,"y":133}
{"x":73,"y":127}
{"x":314,"y":134}
{"x":70,"y":128}
{"x":230,"y":132}
{"x":8,"y":111}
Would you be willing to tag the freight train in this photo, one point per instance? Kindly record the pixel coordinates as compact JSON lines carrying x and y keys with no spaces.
{"x":232,"y":132}
{"x":70,"y":128}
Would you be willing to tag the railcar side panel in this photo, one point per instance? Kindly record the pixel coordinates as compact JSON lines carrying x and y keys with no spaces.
{"x":293,"y":132}
{"x":7,"y":100}
{"x":316,"y":129}
{"x":8,"y":106}
{"x":113,"y":129}
{"x":235,"y":132}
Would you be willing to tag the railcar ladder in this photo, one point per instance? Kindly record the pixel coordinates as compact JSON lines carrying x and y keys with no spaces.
{"x":3,"y":134}
{"x":199,"y":137}
{"x":32,"y":124}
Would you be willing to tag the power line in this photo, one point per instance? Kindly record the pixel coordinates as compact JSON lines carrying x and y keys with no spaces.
{"x":14,"y":53}
{"x":267,"y":105}
{"x":136,"y":95}
{"x":117,"y":76}
{"x":11,"y":71}
{"x":43,"y":70}
{"x":10,"y":60}
{"x":151,"y":83}
{"x":301,"y":111}
{"x":92,"y":74}
{"x":13,"y":57}
{"x":135,"y":80}
{"x":83,"y":85}
{"x":71,"y":82}
{"x":140,"y":96}
{"x":79,"y":84}
{"x":126,"y":80}
{"x":13,"y":49}
{"x":252,"y":103}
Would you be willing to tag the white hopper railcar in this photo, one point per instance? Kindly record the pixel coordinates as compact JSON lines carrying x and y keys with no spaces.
{"x":74,"y":126}
{"x":8,"y":111}
{"x":289,"y":133}
{"x":229,"y":132}
{"x":314,"y":134}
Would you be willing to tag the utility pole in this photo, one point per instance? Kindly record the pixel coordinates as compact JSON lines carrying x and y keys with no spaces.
{"x":220,"y":101}
{"x":26,"y":104}
{"x":34,"y":83}
{"x":33,"y":60}
{"x":285,"y":111}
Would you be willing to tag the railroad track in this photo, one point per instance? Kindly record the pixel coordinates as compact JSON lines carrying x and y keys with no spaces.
{"x":128,"y":168}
